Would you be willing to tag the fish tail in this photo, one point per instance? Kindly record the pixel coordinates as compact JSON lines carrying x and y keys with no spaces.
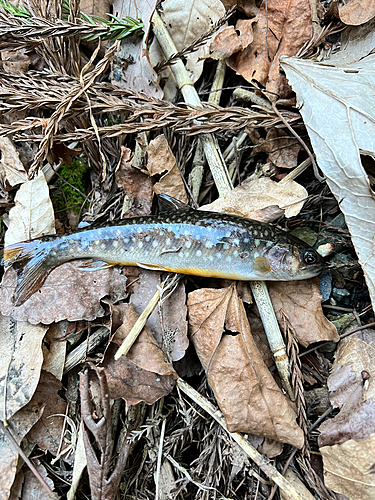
{"x":30,"y":261}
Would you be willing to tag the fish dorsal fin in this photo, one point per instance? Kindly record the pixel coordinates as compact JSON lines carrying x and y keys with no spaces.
{"x":168,"y":204}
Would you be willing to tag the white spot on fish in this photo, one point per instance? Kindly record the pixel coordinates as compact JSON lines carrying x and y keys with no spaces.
{"x":218,"y":255}
{"x":210,"y":258}
{"x":257,"y":242}
{"x":126,"y":240}
{"x":115,"y":243}
{"x":198,"y":253}
{"x":229,"y":258}
{"x":148,"y":238}
{"x":188,"y":244}
{"x":140,"y":244}
{"x":102,"y":246}
{"x":265,"y":232}
{"x":227,"y":234}
{"x":246,"y":240}
{"x":226,"y":246}
{"x":235,"y":253}
{"x":97,"y":242}
{"x":154,"y":243}
{"x":236,"y":242}
{"x":255,"y":232}
{"x":208,"y":244}
{"x":168,"y":241}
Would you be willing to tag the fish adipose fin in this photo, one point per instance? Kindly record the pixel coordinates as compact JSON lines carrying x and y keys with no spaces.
{"x":31,"y":266}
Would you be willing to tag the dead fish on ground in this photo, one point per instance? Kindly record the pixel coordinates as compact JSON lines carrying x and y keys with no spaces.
{"x":183,"y":241}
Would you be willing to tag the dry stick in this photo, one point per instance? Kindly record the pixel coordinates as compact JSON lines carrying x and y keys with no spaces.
{"x":261,"y":462}
{"x":224,"y":185}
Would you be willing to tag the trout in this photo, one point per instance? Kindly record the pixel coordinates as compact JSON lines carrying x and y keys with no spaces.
{"x":184,"y":241}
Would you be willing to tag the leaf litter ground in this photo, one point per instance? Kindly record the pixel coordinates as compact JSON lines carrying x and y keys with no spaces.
{"x":92,"y":424}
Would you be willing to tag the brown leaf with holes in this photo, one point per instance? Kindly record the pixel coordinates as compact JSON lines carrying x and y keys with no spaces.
{"x":136,"y":184}
{"x":67,"y":293}
{"x":356,"y":12}
{"x":302,"y":302}
{"x":352,"y":389}
{"x":144,"y":374}
{"x":161,"y":161}
{"x":282,"y":27}
{"x":245,"y":390}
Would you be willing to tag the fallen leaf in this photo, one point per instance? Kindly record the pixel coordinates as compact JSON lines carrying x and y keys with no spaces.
{"x":54,"y":349}
{"x":356,"y":42}
{"x":281,"y":27}
{"x":282,"y":149}
{"x":46,"y":433}
{"x":352,"y":393}
{"x":338,"y":135}
{"x":187,"y":21}
{"x":357,"y":12}
{"x":67,"y":293}
{"x":131,"y":65}
{"x":255,"y":198}
{"x":348,"y":468}
{"x":302,"y":302}
{"x":297,"y":484}
{"x":32,"y":216}
{"x":245,"y":391}
{"x":137,"y":186}
{"x":21,"y":355}
{"x":144,"y":374}
{"x":168,"y":324}
{"x":161,"y":160}
{"x":32,"y":489}
{"x":10,"y":160}
{"x":247,"y":7}
{"x":231,"y":40}
{"x":79,"y":465}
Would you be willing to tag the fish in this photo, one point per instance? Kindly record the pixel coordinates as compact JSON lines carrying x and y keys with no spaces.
{"x":179,"y":239}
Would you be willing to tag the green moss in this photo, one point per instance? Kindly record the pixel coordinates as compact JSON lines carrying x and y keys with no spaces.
{"x":66,"y":197}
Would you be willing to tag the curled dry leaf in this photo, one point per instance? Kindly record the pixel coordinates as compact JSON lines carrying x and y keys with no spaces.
{"x":282,"y":149}
{"x":349,"y":468}
{"x":21,"y":355}
{"x":246,"y":392}
{"x":352,"y":389}
{"x":144,"y":374}
{"x":356,"y":12}
{"x":303,"y":303}
{"x":261,"y":199}
{"x":168,"y":324}
{"x":10,"y":160}
{"x":281,"y":27}
{"x":136,"y":184}
{"x":46,"y":433}
{"x":67,"y":293}
{"x":161,"y":160}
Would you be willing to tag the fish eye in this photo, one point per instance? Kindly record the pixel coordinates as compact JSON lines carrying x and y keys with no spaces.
{"x":309,"y":256}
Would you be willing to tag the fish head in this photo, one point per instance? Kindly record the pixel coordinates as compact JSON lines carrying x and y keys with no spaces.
{"x":290,"y":259}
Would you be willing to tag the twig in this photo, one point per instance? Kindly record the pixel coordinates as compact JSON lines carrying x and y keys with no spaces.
{"x":262,"y":462}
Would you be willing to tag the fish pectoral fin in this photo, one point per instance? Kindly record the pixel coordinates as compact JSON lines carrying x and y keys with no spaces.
{"x":150,"y":267}
{"x":168,"y":204}
{"x":261,"y":265}
{"x":94,"y":265}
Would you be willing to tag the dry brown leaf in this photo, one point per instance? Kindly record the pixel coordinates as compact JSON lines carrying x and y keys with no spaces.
{"x":32,"y":489}
{"x":67,"y":293}
{"x":356,"y":12}
{"x":349,"y":468}
{"x":144,"y":374}
{"x":136,"y":184}
{"x":248,"y":7}
{"x":230,"y":40}
{"x":259,"y":199}
{"x":46,"y":433}
{"x":352,"y":389}
{"x":10,"y":160}
{"x":54,"y":349}
{"x":246,"y":392}
{"x":282,"y":149}
{"x":302,"y":302}
{"x":21,"y":356}
{"x":19,"y":426}
{"x":161,"y":159}
{"x":282,"y":27}
{"x":170,"y":328}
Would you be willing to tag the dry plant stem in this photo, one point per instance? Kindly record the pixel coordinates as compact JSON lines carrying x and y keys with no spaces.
{"x":160,"y":456}
{"x":138,"y":326}
{"x":262,"y":462}
{"x":8,"y":434}
{"x":224,"y":185}
{"x":212,"y":152}
{"x":296,"y":171}
{"x":78,"y":355}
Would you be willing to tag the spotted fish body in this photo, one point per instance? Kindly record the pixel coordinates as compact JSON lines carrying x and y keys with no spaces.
{"x":185,"y":241}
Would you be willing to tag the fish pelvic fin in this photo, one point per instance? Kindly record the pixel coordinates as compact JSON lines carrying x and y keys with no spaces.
{"x":30,"y":262}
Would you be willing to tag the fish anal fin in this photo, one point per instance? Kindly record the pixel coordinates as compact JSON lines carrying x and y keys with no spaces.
{"x":94,"y":265}
{"x":168,"y":204}
{"x":150,"y":267}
